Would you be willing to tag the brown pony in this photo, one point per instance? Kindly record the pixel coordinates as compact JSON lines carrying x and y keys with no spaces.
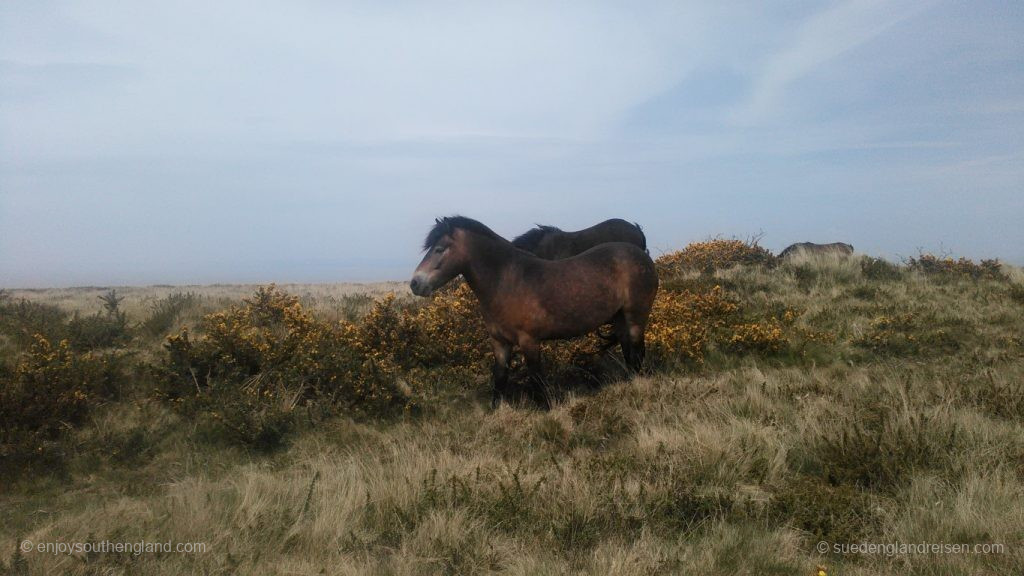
{"x":526,"y":300}
{"x":552,"y":243}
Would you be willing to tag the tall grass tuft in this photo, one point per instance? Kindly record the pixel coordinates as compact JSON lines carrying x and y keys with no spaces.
{"x":166,"y":311}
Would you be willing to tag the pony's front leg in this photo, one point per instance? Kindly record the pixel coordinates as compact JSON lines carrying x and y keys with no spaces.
{"x":535,"y":371}
{"x":499,"y":370}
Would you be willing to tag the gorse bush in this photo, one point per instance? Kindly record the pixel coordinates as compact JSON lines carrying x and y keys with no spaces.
{"x":100,"y":330}
{"x":682,"y":324}
{"x":879,"y":269}
{"x":249,"y":367}
{"x":453,"y":325}
{"x":906,"y":334}
{"x":764,"y":337}
{"x":892,"y":334}
{"x":718,"y":254}
{"x":58,"y":369}
{"x":51,"y":389}
{"x":253,"y":364}
{"x":104,"y":329}
{"x":24,"y":319}
{"x":950,"y":268}
{"x":447,"y":330}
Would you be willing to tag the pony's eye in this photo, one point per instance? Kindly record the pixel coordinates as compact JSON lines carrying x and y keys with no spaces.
{"x":439,"y":249}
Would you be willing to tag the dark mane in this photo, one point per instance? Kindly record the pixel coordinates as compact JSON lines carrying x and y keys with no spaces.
{"x":447,"y":224}
{"x":531,"y":238}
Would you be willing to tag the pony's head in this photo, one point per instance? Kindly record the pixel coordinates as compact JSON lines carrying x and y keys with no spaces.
{"x":447,"y":254}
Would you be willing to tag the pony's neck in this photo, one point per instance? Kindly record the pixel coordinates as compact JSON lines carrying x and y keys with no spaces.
{"x":488,"y":258}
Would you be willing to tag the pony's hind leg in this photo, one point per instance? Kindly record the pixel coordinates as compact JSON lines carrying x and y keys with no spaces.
{"x":535,"y":371}
{"x":630,"y":333}
{"x":639,"y":349}
{"x":621,"y":332}
{"x":499,"y":370}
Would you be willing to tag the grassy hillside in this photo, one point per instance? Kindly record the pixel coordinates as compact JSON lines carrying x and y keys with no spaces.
{"x":845,"y":400}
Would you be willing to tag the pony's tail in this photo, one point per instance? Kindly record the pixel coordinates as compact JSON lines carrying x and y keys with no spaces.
{"x":643,"y":237}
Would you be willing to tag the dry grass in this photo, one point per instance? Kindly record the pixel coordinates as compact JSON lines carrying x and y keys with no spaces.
{"x":739,"y":466}
{"x":330,"y":300}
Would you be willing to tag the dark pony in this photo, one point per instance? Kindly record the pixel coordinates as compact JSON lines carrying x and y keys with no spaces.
{"x":526,"y":300}
{"x":838,"y":248}
{"x":553,"y":243}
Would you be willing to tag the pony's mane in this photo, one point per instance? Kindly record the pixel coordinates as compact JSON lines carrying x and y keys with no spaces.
{"x":531,"y":238}
{"x":448,"y":223}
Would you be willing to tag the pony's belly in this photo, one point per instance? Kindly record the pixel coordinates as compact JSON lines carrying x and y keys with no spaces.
{"x":537,"y":322}
{"x":572,"y":322}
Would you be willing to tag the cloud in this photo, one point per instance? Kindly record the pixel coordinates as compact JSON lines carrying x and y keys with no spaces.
{"x":821,"y":38}
{"x":40,"y":82}
{"x":202,"y":141}
{"x":228,"y":71}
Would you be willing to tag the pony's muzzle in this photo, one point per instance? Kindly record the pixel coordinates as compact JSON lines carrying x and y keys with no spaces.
{"x":419,"y":286}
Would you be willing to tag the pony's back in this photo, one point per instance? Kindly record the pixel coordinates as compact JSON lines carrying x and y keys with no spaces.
{"x":552,"y":243}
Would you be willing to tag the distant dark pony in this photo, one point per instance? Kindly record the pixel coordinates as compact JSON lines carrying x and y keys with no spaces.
{"x":552,"y":243}
{"x":838,"y":248}
{"x":526,"y":300}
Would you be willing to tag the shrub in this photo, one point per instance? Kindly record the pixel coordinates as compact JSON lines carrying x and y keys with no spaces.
{"x":865,"y":292}
{"x":166,"y":311}
{"x":879,"y":269}
{"x":453,"y":326}
{"x":763,"y":337}
{"x":894,"y":335}
{"x":258,"y":414}
{"x":948,"y":267}
{"x":100,"y":330}
{"x":24,"y":319}
{"x":580,"y":352}
{"x":714,"y":255}
{"x":105,"y":329}
{"x":681,"y":323}
{"x":906,"y":335}
{"x":448,"y":330}
{"x":1016,"y":293}
{"x":256,"y":362}
{"x":52,"y":388}
{"x":809,"y":335}
{"x":352,"y":307}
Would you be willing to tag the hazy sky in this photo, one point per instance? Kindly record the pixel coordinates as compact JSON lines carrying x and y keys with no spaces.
{"x":230,"y":141}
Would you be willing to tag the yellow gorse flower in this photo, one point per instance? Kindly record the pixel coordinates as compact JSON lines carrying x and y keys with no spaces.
{"x":713,"y":255}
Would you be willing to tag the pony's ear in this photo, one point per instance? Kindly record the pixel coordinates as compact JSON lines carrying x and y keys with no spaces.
{"x":437,"y":220}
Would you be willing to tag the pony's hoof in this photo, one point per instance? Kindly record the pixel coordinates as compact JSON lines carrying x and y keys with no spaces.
{"x":543,"y":402}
